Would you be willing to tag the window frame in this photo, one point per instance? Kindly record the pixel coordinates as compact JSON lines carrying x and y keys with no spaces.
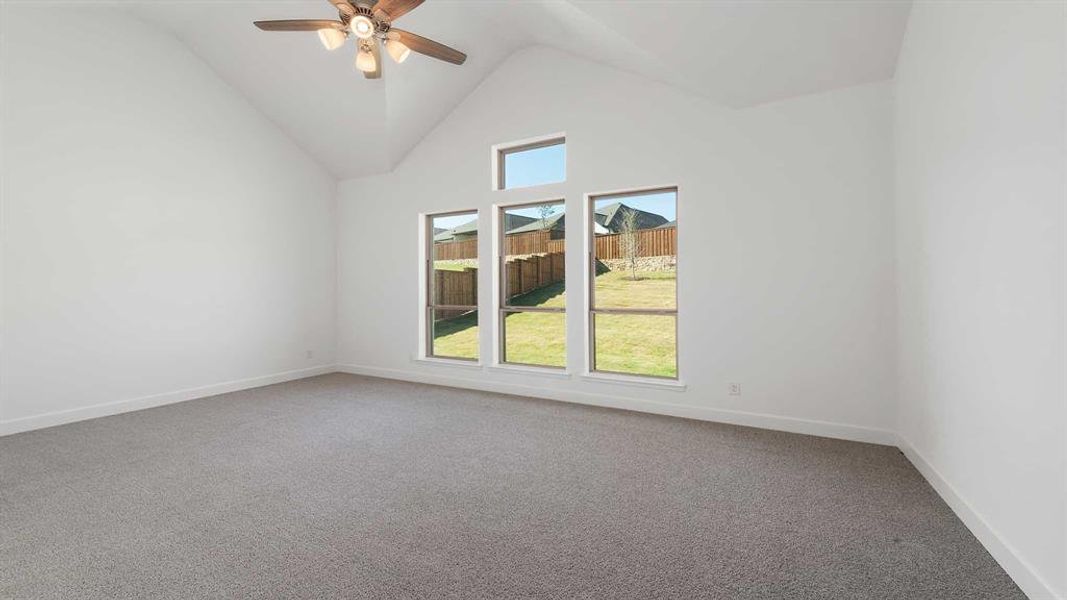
{"x":501,"y":151}
{"x":590,"y":273}
{"x":429,"y":305}
{"x":503,"y":308}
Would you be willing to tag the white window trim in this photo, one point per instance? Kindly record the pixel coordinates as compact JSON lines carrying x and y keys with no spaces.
{"x":588,"y":372}
{"x":676,"y":385}
{"x":448,"y":362}
{"x":497,"y":328}
{"x":553,"y":372}
{"x":422,"y":353}
{"x":496,"y":152}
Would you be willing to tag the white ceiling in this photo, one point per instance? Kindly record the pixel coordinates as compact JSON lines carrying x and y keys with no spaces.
{"x":736,"y":53}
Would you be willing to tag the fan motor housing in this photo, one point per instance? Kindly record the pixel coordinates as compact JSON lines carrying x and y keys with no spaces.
{"x":381,"y":26}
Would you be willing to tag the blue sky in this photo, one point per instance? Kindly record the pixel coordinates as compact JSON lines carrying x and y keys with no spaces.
{"x":535,"y":211}
{"x":453,"y":221}
{"x":535,"y":167}
{"x":660,"y":203}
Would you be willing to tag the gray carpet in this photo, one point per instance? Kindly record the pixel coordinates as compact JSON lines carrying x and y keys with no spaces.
{"x":353,"y":487}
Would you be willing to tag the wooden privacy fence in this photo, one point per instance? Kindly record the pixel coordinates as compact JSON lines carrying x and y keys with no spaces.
{"x":528,"y":274}
{"x":534,"y":242}
{"x":653,"y":242}
{"x":460,"y":288}
{"x":455,"y":250}
{"x":456,"y":288}
{"x":556,"y":246}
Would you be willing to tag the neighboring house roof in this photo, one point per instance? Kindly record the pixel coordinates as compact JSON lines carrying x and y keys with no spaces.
{"x":554,"y":222}
{"x":515,"y":221}
{"x":608,"y":220}
{"x":668,"y":225}
{"x":447,"y":235}
{"x":470,"y":228}
{"x":466,"y":231}
{"x":611,"y":217}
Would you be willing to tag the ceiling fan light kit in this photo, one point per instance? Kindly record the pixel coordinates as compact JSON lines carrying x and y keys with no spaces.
{"x":370,"y":24}
{"x":397,"y":50}
{"x":362,"y":27}
{"x":365,"y":59}
{"x":331,"y":38}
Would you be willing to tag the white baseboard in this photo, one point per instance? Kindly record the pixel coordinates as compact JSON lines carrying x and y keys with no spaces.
{"x":1031,"y":583}
{"x":112,"y":408}
{"x":842,"y":431}
{"x":790,"y":424}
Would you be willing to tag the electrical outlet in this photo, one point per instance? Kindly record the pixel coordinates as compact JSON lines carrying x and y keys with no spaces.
{"x":310,"y":354}
{"x":735,"y":389}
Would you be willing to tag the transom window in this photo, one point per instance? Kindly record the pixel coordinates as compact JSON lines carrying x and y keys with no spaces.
{"x":633,"y":299}
{"x":537,"y":163}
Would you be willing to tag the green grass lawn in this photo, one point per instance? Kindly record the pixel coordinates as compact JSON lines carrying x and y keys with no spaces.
{"x":638,"y":344}
{"x":456,"y":337}
{"x":616,"y":289}
{"x":451,"y":265}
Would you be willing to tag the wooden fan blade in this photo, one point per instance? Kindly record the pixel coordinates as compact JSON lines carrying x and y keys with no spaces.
{"x":375,"y":49}
{"x":344,"y":7}
{"x":300,"y":25}
{"x":394,"y":9}
{"x":426,"y":46}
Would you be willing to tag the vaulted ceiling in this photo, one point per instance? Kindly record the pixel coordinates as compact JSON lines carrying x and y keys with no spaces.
{"x":736,"y":53}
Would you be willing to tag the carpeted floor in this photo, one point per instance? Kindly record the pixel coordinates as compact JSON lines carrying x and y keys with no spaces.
{"x":352,"y":487}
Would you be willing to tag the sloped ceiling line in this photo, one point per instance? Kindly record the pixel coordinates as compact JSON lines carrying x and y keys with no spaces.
{"x":734,"y":53}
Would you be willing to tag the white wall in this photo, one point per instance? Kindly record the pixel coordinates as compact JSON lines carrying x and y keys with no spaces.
{"x":980,"y":184}
{"x":786,"y":261}
{"x":158,"y":235}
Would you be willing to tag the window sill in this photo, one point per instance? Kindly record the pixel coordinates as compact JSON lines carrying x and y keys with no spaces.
{"x":448,"y":362}
{"x":530,"y":370}
{"x":636,"y":380}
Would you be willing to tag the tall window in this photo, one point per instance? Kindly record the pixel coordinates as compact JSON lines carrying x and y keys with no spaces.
{"x":532,"y":316}
{"x":452,"y":285}
{"x":538,"y":163}
{"x":633,"y":306}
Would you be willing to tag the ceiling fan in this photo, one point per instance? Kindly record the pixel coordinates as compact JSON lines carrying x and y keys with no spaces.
{"x":370,"y":23}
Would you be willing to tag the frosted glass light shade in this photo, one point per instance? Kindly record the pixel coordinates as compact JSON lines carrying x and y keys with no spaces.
{"x":398,"y":51}
{"x":332,"y":39}
{"x":365,"y":62}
